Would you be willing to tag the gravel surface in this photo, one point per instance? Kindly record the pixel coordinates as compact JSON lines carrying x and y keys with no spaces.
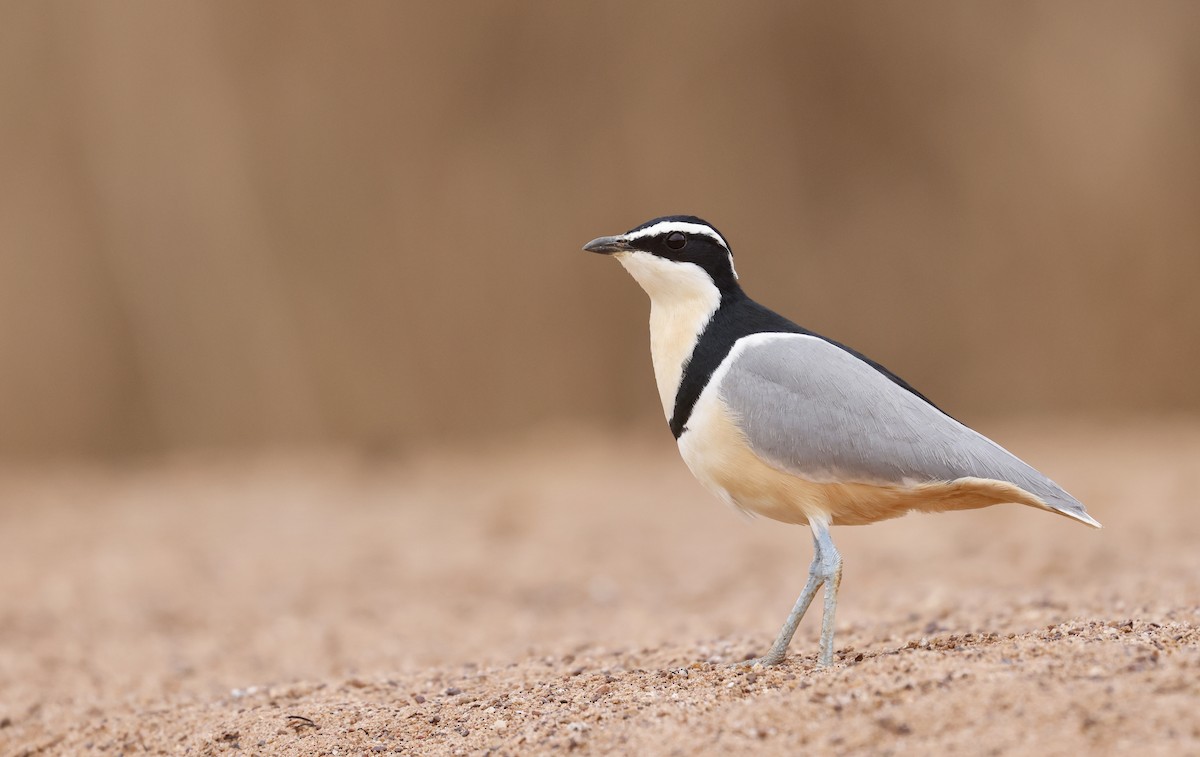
{"x":575,"y":593}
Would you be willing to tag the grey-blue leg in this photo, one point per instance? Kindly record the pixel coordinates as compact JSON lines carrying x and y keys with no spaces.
{"x":826,"y":568}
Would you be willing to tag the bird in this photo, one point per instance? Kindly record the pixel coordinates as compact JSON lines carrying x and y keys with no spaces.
{"x":782,"y":422}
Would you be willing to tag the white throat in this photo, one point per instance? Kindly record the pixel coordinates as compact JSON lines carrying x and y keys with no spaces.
{"x":682,"y":301}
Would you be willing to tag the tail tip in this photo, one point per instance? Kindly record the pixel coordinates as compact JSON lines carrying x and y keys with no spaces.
{"x":1081,"y":516}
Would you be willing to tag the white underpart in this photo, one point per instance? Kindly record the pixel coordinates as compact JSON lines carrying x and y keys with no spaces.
{"x":682,"y":301}
{"x":666,"y":227}
{"x":700,"y":448}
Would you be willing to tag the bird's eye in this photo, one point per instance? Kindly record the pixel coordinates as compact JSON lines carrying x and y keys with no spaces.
{"x":676,"y":240}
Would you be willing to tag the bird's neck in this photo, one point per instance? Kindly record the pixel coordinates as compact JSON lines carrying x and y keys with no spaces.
{"x":675,"y":329}
{"x":683,"y":299}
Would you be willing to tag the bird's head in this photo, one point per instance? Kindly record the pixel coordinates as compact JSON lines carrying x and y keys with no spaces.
{"x":673,"y":257}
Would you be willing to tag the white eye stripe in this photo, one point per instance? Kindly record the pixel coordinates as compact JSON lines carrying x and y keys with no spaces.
{"x":666,"y":227}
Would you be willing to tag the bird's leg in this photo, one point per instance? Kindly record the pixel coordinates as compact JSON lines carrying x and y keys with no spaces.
{"x":831,"y":572}
{"x":776,"y":653}
{"x":826,"y":568}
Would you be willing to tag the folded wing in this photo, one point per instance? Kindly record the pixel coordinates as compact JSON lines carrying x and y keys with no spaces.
{"x":813,"y":409}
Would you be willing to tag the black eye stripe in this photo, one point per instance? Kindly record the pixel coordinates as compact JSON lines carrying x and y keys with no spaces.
{"x":676,"y":240}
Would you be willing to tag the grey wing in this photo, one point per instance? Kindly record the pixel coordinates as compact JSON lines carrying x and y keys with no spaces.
{"x":811,"y":408}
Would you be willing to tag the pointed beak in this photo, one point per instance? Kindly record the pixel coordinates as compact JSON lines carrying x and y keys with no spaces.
{"x":608,"y":245}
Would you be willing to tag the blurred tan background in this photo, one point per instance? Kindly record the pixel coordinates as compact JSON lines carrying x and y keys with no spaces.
{"x":230,"y":224}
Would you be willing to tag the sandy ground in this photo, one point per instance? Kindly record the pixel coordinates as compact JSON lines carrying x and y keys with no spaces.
{"x":582,"y":594}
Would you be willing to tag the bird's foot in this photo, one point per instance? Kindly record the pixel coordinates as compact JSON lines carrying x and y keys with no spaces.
{"x":770,"y":660}
{"x":766,"y":661}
